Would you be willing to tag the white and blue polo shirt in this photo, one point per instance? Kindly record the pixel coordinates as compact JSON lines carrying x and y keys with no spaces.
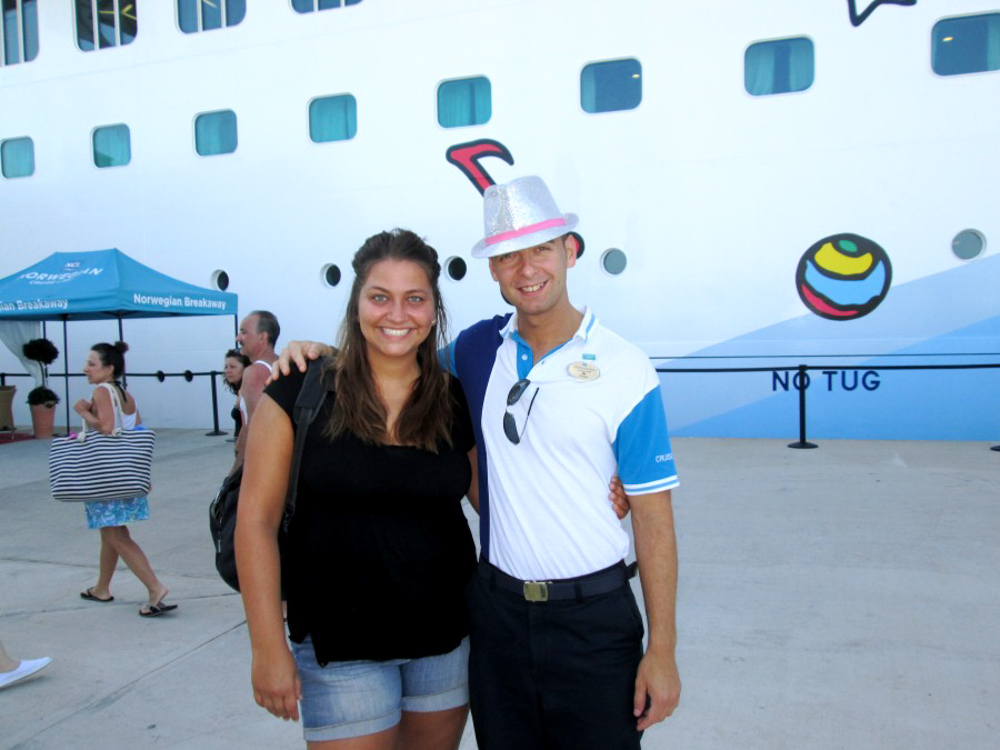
{"x":544,"y":509}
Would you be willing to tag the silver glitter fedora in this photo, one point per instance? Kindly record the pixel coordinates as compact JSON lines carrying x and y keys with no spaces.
{"x":519,"y":214}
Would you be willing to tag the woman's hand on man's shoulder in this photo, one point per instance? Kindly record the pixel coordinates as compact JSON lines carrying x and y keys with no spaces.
{"x":298,"y":353}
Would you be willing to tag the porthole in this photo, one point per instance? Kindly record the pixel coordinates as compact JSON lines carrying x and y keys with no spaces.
{"x":968,"y":244}
{"x":613,"y":261}
{"x":579,"y":246}
{"x":456,"y":268}
{"x":331,"y":275}
{"x":220,"y":280}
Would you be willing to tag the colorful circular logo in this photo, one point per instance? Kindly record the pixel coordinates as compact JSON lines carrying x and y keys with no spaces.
{"x":843,"y":276}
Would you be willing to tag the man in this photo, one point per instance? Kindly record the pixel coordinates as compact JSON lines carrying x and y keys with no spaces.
{"x":256,"y":338}
{"x":560,"y":405}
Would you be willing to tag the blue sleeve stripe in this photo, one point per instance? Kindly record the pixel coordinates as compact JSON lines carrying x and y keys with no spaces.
{"x":642,"y":446}
{"x":649,"y":487}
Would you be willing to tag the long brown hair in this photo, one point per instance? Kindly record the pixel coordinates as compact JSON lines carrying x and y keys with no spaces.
{"x":425,"y":419}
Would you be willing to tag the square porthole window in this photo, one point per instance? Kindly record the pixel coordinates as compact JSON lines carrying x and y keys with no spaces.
{"x":611,"y":86}
{"x":464,"y":102}
{"x":333,"y":118}
{"x":308,"y":6}
{"x":112,"y":146}
{"x":967,"y":44}
{"x":204,"y":15}
{"x":781,"y":66}
{"x":17,"y":157}
{"x":215,"y":133}
{"x":19,"y":37}
{"x":105,"y":23}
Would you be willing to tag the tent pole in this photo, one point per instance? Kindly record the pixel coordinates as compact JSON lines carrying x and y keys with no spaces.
{"x":121,"y":337}
{"x":66,"y":370}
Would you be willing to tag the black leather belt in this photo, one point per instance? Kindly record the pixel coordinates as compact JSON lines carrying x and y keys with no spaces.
{"x":593,"y":584}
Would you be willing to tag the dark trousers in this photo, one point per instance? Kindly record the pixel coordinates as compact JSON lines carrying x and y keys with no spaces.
{"x":556,"y":674}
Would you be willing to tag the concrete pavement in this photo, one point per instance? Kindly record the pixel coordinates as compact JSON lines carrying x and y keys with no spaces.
{"x":844,"y":597}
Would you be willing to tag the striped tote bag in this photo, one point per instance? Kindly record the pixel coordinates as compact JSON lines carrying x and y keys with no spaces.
{"x":94,"y":466}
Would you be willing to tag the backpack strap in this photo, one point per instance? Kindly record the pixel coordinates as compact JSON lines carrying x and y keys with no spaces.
{"x":307,"y":406}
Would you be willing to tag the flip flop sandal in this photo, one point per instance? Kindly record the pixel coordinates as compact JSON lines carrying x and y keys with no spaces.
{"x":89,"y":596}
{"x":155,"y":610}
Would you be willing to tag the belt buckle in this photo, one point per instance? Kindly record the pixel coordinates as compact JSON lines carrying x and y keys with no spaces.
{"x":536,"y":591}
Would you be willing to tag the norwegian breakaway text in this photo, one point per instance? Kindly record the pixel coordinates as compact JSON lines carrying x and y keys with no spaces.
{"x":34,"y":304}
{"x":146,"y":299}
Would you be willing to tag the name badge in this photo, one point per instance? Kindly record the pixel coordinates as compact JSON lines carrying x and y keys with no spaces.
{"x":584,"y":370}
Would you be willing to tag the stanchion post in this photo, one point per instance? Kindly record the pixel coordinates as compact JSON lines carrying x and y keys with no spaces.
{"x":803,"y":380}
{"x":215,"y":407}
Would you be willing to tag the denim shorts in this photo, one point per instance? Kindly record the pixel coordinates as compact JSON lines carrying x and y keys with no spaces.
{"x":355,"y":698}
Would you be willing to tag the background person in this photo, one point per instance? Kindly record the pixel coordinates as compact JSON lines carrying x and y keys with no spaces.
{"x":110,"y":407}
{"x":380,"y":549}
{"x":235,"y":363}
{"x":257,"y":336}
{"x":15,"y":670}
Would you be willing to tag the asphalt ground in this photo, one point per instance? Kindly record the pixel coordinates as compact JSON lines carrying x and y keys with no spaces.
{"x":842,"y":597}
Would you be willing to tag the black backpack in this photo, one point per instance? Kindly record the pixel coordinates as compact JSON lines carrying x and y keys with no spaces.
{"x":222,"y":511}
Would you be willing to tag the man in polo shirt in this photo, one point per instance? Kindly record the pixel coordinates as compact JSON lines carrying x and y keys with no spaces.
{"x":559,"y":405}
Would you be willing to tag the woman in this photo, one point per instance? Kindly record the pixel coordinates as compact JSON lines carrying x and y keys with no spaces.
{"x":379,"y":547}
{"x":233,"y":374}
{"x":111,"y":407}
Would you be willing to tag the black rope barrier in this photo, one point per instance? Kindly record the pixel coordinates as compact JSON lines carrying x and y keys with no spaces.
{"x":802,"y":371}
{"x":159,"y":375}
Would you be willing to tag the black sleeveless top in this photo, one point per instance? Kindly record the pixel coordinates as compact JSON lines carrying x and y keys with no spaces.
{"x":379,"y":548}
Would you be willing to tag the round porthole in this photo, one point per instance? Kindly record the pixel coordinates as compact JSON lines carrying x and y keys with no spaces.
{"x":613,"y":261}
{"x":968,"y":244}
{"x":457,"y":268}
{"x":220,"y":280}
{"x":331,"y":275}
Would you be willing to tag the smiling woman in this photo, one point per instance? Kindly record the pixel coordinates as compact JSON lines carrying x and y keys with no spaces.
{"x":396,"y":309}
{"x":378,"y":516}
{"x":388,"y":359}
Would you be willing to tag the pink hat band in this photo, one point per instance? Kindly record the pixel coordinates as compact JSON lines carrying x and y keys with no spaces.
{"x":514,"y":233}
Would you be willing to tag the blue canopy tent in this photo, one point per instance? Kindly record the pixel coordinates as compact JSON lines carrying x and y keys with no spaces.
{"x":102,"y":284}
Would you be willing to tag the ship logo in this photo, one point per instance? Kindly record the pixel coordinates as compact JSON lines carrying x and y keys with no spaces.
{"x":843,"y":277}
{"x":868,"y":8}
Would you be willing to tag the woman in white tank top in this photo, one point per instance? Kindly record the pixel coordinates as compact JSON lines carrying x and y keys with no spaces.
{"x":233,"y":373}
{"x":110,"y":407}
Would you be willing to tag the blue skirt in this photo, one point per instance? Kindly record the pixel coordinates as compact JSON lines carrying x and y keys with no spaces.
{"x":102,"y":513}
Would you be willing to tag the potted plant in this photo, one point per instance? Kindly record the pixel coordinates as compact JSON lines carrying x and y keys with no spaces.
{"x":6,"y":413}
{"x":42,"y":399}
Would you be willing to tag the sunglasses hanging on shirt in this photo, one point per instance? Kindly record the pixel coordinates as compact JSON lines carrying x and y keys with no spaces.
{"x":509,"y":425}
